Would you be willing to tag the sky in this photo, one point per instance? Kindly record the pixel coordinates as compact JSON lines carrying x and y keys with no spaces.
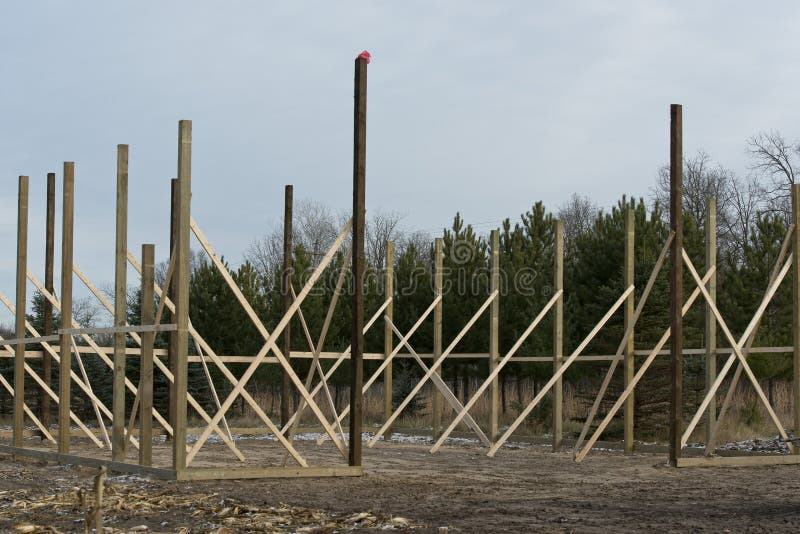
{"x":473,"y":107}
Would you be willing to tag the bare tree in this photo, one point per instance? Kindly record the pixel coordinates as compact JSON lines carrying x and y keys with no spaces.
{"x":779,"y":161}
{"x":381,"y":227}
{"x":577,"y":214}
{"x":747,"y":201}
{"x":702,"y":180}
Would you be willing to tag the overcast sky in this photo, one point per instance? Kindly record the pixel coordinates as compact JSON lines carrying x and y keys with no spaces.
{"x":477,"y":107}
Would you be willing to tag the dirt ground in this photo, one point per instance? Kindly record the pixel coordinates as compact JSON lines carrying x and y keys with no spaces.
{"x":522,"y":489}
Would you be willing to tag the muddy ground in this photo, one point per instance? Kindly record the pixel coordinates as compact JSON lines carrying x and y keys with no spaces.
{"x":525,"y":488}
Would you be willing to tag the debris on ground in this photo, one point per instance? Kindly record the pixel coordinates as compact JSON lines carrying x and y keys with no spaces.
{"x":127,"y":508}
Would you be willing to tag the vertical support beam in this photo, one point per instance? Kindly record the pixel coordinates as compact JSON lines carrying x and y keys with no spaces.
{"x":710,"y":320}
{"x":66,"y":306}
{"x":388,"y":337}
{"x":796,"y":308}
{"x":286,"y":281}
{"x":438,"y":266}
{"x":181,"y":274}
{"x":628,"y":408}
{"x":19,"y":349}
{"x":494,"y":337}
{"x":172,"y":347}
{"x":146,"y":364}
{"x":359,"y":212}
{"x":676,"y":282}
{"x":47,"y":319}
{"x":118,"y":440}
{"x":558,"y":335}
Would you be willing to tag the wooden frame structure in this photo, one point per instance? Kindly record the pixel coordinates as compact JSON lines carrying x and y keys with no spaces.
{"x":173,"y":298}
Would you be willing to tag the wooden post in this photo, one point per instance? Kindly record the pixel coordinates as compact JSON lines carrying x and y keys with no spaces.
{"x":181,"y":276}
{"x":711,"y":323}
{"x":172,"y":347}
{"x":22,"y":280}
{"x":388,"y":336}
{"x":118,"y":440}
{"x":359,"y":211}
{"x":438,"y":266}
{"x":628,"y":408}
{"x":796,"y":307}
{"x":286,"y":282}
{"x":558,"y":335}
{"x":66,"y":307}
{"x":47,"y":319}
{"x":494,"y":337}
{"x":146,"y":365}
{"x":676,"y":282}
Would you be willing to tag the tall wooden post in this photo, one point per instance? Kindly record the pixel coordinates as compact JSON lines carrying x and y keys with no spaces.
{"x":711,"y":322}
{"x":181,"y":274}
{"x":172,"y":347}
{"x":359,"y":212}
{"x":676,"y":282}
{"x":65,"y":340}
{"x":118,"y":440}
{"x":388,"y":337}
{"x":438,"y":265}
{"x":494,"y":337}
{"x":628,"y":408}
{"x":796,"y":308}
{"x":47,"y":312}
{"x":286,"y":281}
{"x":22,"y":280}
{"x":558,"y":335}
{"x":146,"y":365}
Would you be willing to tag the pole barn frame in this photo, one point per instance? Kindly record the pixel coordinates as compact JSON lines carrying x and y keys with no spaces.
{"x":172,"y":300}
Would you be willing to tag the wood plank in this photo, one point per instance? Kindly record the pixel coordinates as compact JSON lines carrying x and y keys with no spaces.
{"x":164,"y":368}
{"x":676,"y":282}
{"x":65,"y":365}
{"x":629,"y":322}
{"x":47,"y":311}
{"x":580,"y":455}
{"x":437,"y":364}
{"x":270,"y":345}
{"x":72,"y":459}
{"x":19,"y":320}
{"x":270,"y":338}
{"x":796,"y":309}
{"x":507,"y":358}
{"x":388,"y":336}
{"x":739,"y":461}
{"x":186,"y":474}
{"x":494,"y":339}
{"x":169,"y":293}
{"x":710,"y":322}
{"x":441,"y":386}
{"x":438,"y":269}
{"x":751,"y":327}
{"x":712,"y":437}
{"x":386,"y":361}
{"x":146,"y":362}
{"x":269,"y":472}
{"x":558,"y":334}
{"x":736,"y":348}
{"x":182,"y":273}
{"x":120,"y":308}
{"x":357,"y":246}
{"x":623,"y":343}
{"x":286,"y":283}
{"x":546,"y":388}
